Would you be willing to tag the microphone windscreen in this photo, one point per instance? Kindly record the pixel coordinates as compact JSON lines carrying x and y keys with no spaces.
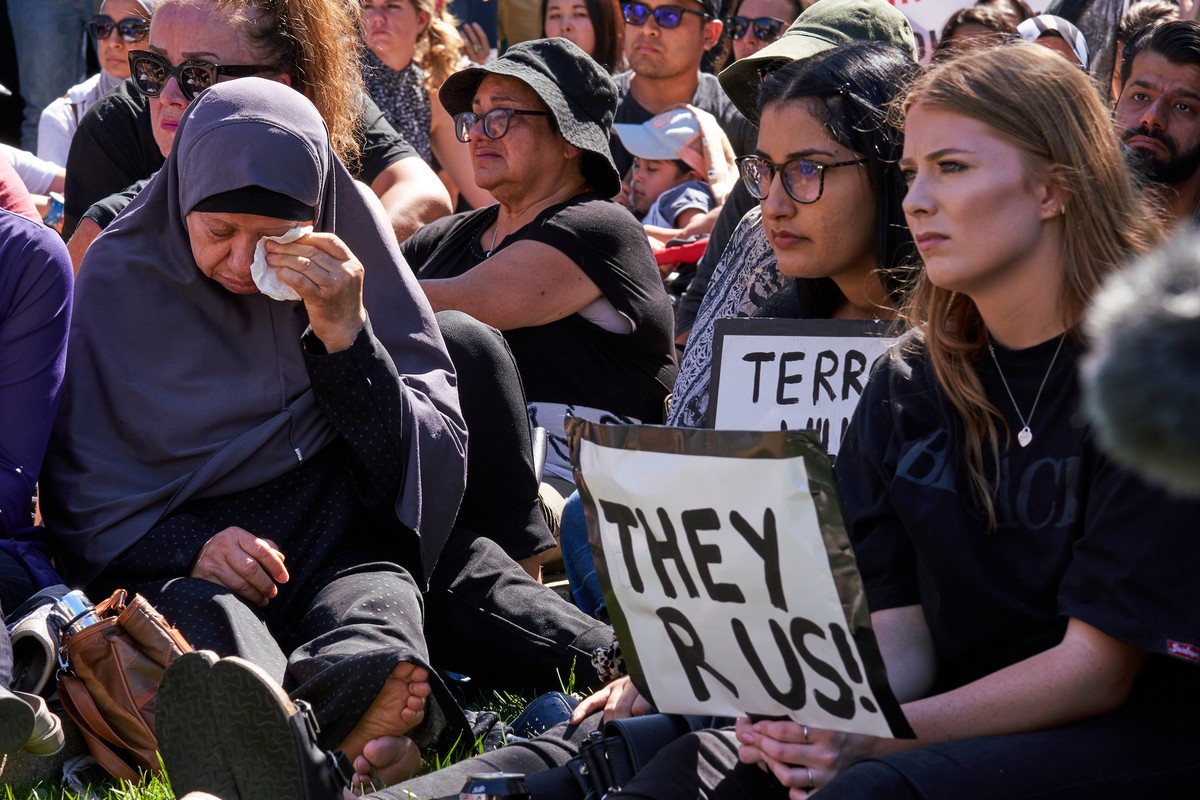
{"x":1141,"y":379}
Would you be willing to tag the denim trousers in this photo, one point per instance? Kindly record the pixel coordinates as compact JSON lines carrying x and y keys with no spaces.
{"x":51,"y":53}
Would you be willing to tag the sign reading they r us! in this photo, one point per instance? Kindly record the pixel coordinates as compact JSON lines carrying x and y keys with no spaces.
{"x":729,"y":576}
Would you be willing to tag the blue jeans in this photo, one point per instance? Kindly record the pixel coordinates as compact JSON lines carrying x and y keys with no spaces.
{"x":51,"y":53}
{"x":577,"y":558}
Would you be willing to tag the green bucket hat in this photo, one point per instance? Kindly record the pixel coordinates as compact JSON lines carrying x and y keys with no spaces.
{"x":822,"y":26}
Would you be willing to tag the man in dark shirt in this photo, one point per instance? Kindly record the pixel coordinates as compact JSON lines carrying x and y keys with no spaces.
{"x":665,"y":69}
{"x":1156,"y":112}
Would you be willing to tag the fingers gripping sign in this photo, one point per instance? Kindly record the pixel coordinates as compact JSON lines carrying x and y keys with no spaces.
{"x":244,"y":564}
{"x":328,"y":278}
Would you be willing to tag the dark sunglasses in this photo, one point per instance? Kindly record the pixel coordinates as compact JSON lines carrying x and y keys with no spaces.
{"x":803,"y":180}
{"x":151,"y":72}
{"x":666,"y":16}
{"x":495,"y":122}
{"x":766,"y":29}
{"x":130,"y":29}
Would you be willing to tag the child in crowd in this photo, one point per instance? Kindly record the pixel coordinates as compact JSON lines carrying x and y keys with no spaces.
{"x":682,"y":167}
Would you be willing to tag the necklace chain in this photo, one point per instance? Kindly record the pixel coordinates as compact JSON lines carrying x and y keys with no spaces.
{"x":495,"y":234}
{"x":1025,"y":435}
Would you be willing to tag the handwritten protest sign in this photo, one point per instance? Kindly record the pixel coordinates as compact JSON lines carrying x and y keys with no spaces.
{"x":793,"y":374}
{"x":729,"y":576}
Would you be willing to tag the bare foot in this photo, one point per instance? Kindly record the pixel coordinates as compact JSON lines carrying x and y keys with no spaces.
{"x":386,"y":760}
{"x":397,"y":709}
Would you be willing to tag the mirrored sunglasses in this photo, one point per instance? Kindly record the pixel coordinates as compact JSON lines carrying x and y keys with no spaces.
{"x":150,"y":73}
{"x":130,"y":29}
{"x":666,"y":16}
{"x":766,"y":29}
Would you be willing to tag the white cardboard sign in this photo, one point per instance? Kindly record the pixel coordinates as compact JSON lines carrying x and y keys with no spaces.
{"x":720,"y":572}
{"x":793,"y":374}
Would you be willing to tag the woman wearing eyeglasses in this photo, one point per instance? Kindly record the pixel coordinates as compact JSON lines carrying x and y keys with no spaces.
{"x":754,"y":24}
{"x":120,"y":26}
{"x":595,"y":25}
{"x":566,"y":274}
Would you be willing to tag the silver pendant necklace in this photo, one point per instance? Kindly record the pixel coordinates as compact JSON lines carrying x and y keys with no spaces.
{"x":495,"y":233}
{"x":1025,"y":435}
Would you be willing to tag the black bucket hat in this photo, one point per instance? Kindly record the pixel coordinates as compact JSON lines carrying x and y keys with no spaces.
{"x":579,"y":93}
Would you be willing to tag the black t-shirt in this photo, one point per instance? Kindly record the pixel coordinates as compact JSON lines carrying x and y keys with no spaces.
{"x":1076,"y":536}
{"x":709,"y":97}
{"x":572,"y":360}
{"x":114,"y":148}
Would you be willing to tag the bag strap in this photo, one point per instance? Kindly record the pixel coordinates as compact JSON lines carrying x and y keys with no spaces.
{"x":80,"y":707}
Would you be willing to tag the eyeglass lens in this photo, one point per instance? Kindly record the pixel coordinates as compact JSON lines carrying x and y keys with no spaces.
{"x":151,"y":72}
{"x":131,"y":29}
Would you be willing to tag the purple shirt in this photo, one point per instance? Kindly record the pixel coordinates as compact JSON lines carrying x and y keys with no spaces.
{"x":35,"y":312}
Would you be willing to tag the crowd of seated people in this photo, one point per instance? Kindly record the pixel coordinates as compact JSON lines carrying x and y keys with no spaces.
{"x":290,"y":397}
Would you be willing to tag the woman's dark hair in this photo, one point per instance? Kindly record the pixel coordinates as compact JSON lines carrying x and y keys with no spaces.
{"x":991,"y":17}
{"x":608,"y":22}
{"x":1017,"y":11}
{"x":850,"y":90}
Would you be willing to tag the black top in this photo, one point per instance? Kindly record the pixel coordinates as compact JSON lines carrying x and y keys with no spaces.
{"x":572,"y":360}
{"x":709,"y":97}
{"x":114,"y":147}
{"x":330,"y":511}
{"x":1077,"y":536}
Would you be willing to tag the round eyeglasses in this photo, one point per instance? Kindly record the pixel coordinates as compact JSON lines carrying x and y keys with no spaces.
{"x":495,"y":122}
{"x":130,"y":29}
{"x":803,"y":180}
{"x":638,"y":14}
{"x":766,"y":29}
{"x":150,"y":73}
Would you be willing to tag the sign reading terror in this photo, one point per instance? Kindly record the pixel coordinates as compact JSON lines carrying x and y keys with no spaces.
{"x":729,"y":576}
{"x":793,"y":374}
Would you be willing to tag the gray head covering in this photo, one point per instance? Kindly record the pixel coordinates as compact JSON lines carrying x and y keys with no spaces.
{"x":178,"y":389}
{"x":579,"y":92}
{"x":1035,"y":28}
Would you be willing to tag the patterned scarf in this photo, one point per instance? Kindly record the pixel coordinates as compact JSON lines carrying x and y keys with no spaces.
{"x":402,"y":97}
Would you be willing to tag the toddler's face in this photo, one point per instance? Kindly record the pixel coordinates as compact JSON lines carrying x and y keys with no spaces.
{"x":652,"y":177}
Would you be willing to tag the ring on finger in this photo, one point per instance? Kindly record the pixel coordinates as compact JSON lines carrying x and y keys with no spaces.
{"x":804,"y":730}
{"x":812,"y":784}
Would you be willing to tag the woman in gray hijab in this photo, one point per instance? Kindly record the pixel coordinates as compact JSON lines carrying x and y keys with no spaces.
{"x":278,"y":478}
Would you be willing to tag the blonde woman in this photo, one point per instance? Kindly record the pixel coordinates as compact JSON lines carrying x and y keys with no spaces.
{"x":412,"y":46}
{"x":1027,"y":594}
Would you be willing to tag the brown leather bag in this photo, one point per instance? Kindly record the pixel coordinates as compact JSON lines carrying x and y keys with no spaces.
{"x":110,"y":683}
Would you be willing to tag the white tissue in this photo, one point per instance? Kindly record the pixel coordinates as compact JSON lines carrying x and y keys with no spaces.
{"x":265,"y":278}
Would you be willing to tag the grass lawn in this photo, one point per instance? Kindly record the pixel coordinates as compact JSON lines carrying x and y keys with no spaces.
{"x":508,"y":706}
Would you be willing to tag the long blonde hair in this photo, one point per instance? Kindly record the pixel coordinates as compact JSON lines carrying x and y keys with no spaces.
{"x":313,"y":42}
{"x":440,"y":46}
{"x":1049,"y":110}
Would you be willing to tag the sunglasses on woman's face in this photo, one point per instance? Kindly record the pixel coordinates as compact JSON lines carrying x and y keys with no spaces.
{"x":150,"y":73}
{"x":639,"y":14}
{"x":766,"y":29}
{"x":130,"y":29}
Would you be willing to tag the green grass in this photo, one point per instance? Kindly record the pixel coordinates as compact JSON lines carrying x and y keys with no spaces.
{"x":505,"y":704}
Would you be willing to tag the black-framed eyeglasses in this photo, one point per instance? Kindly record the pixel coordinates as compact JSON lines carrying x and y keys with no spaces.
{"x":130,"y":29}
{"x":803,"y":180}
{"x":766,"y":29}
{"x":495,"y":122}
{"x":666,"y":16}
{"x":150,"y":73}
